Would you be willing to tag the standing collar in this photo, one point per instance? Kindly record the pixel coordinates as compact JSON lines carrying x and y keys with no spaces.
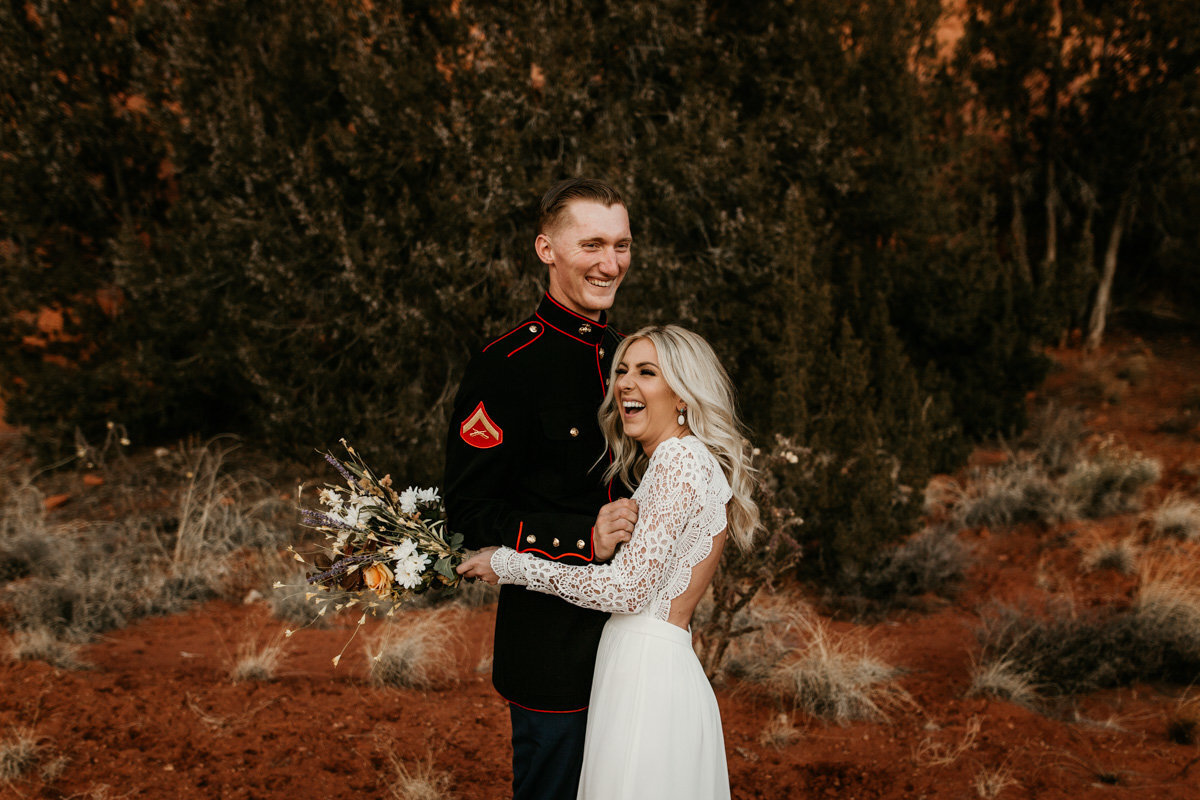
{"x":567,"y":322}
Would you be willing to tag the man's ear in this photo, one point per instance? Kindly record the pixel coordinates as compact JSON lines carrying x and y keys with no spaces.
{"x":541,"y":246}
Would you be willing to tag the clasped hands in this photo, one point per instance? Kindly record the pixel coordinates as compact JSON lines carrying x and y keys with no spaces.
{"x":614,"y":525}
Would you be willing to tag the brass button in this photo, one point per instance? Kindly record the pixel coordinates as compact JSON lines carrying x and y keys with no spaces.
{"x":585,"y":328}
{"x":531,"y":539}
{"x":581,"y":544}
{"x":574,"y":433}
{"x":533,"y":328}
{"x":555,"y":542}
{"x":602,"y":352}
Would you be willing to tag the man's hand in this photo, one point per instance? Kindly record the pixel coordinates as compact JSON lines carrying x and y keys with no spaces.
{"x":614,"y":525}
{"x":480,"y":566}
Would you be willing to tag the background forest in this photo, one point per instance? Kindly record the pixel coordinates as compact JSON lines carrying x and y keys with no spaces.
{"x":295,"y":220}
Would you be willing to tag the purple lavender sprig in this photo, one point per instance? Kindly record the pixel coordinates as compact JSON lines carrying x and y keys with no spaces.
{"x":342,"y":565}
{"x":350,"y":480}
{"x":318,"y":519}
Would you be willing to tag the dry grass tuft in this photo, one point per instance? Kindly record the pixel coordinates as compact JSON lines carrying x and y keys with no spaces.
{"x":779,"y":732}
{"x":1019,"y":490}
{"x":1003,"y":679}
{"x":1167,"y":607}
{"x":931,"y":753}
{"x":18,"y":754}
{"x":257,"y":661}
{"x":990,"y":782}
{"x":419,"y":655}
{"x":422,"y":781}
{"x":81,"y":579}
{"x":39,"y":644}
{"x":836,"y":678}
{"x":1177,"y":517}
{"x":1183,"y":720}
{"x":1110,"y":481}
{"x":1120,"y":556}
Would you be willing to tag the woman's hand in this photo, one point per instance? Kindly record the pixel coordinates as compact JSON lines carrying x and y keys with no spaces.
{"x":480,"y":566}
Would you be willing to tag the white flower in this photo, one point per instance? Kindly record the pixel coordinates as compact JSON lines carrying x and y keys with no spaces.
{"x":403,"y":550}
{"x":429,"y":495}
{"x":408,"y":571}
{"x":792,"y":458}
{"x":331,"y":498}
{"x":408,"y":500}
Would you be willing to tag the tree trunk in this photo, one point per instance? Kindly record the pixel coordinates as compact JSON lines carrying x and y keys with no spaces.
{"x":1104,"y":290}
{"x":1050,"y":260}
{"x":1020,"y":246}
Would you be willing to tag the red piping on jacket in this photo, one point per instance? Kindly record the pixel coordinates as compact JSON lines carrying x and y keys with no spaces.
{"x":522,"y":347}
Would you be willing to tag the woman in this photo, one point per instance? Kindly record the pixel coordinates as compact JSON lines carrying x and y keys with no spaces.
{"x":654,"y":729}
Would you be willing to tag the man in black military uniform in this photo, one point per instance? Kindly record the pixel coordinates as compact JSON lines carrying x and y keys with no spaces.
{"x":524,"y":468}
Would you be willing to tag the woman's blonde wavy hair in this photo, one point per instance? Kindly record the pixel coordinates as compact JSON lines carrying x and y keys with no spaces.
{"x":691,"y":369}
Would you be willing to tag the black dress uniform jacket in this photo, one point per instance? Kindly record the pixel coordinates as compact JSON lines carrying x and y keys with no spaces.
{"x":524,"y":468}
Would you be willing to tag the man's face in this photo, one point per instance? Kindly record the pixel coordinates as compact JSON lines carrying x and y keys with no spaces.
{"x":588,"y":253}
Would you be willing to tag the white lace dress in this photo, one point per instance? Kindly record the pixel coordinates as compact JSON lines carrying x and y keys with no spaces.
{"x":653,"y":729}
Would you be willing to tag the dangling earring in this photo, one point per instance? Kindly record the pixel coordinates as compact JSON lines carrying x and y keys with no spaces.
{"x":681,"y":419}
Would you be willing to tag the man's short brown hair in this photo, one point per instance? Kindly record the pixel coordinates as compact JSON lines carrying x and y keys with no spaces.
{"x":562,"y":194}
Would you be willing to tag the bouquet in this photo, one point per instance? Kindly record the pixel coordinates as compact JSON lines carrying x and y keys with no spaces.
{"x":381,"y":546}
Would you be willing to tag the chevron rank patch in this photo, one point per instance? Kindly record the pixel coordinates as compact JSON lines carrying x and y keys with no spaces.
{"x":480,"y":430}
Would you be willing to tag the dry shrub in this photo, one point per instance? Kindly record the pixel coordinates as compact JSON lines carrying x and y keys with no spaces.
{"x":1110,"y":481}
{"x":415,"y":655}
{"x":836,"y":678}
{"x":1062,"y":652}
{"x":779,"y":732}
{"x":932,"y":561}
{"x":1135,"y":368}
{"x":1019,"y":490}
{"x":258,"y":661}
{"x":27,"y":546}
{"x":39,"y":644}
{"x":421,"y":781}
{"x":18,"y":754}
{"x":765,"y":630}
{"x":155,"y":559}
{"x":1177,"y":517}
{"x":1054,"y":437}
{"x":1120,"y":555}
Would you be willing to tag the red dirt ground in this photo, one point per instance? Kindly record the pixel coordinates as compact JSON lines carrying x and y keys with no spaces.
{"x":158,"y":717}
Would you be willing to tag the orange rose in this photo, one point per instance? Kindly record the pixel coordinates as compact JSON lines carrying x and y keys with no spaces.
{"x":379,"y":579}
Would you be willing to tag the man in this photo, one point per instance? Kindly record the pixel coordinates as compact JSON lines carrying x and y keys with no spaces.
{"x":524,"y":467}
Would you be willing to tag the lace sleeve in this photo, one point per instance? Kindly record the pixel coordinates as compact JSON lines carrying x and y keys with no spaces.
{"x":670,"y":496}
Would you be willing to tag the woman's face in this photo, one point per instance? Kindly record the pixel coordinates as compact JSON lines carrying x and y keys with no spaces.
{"x":649,"y":408}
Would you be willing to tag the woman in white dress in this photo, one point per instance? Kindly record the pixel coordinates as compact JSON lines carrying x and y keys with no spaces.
{"x":654,"y":729}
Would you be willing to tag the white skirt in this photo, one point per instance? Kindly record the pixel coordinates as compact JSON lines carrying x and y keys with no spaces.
{"x":653,"y":728}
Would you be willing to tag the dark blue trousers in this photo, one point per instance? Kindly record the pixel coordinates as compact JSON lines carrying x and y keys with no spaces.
{"x":547,"y":753}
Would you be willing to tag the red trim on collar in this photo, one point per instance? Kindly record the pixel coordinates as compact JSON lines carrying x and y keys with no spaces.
{"x":564,"y":333}
{"x":574,"y":314}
